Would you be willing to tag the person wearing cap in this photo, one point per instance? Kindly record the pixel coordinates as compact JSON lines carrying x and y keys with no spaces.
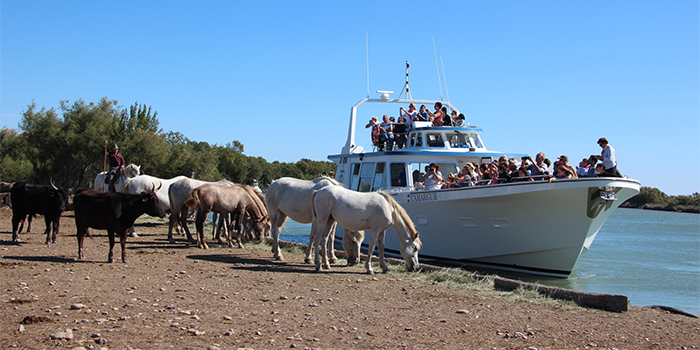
{"x":116,"y":164}
{"x":608,"y":158}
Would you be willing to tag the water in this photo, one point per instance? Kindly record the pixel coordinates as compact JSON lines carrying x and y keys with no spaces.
{"x":652,"y":257}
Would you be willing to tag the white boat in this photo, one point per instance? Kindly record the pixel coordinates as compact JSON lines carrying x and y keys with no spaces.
{"x":533,"y":227}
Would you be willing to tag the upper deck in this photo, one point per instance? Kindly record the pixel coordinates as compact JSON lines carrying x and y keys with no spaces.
{"x":422,"y":139}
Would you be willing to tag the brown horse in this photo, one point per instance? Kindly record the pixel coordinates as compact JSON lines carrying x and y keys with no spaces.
{"x":248,"y":222}
{"x":224,"y":201}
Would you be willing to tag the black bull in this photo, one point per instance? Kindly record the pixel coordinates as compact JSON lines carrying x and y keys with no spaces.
{"x":29,"y":199}
{"x":114,"y":212}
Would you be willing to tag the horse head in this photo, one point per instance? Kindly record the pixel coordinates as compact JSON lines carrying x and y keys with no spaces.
{"x":409,"y":251}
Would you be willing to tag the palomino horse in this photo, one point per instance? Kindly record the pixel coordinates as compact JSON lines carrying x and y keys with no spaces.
{"x":129,"y":171}
{"x":224,"y":200}
{"x":356,"y":211}
{"x":290,"y":197}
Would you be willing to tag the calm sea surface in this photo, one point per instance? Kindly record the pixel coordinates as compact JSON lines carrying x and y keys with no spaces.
{"x":652,"y":257}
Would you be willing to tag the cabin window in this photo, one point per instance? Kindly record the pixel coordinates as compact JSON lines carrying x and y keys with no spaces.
{"x":416,"y":139}
{"x":435,"y":140}
{"x":378,"y":177}
{"x":355,"y":176}
{"x":477,"y":141}
{"x":447,"y":168}
{"x":398,"y":174}
{"x":366,"y":177}
{"x":459,"y":141}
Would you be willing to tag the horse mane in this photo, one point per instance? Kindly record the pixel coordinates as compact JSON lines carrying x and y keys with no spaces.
{"x":261,"y":210}
{"x":332,"y":180}
{"x":134,"y":166}
{"x":404,"y":216}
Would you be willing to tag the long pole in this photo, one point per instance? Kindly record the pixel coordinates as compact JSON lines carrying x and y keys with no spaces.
{"x":367,"y":54}
{"x":437,"y":69}
{"x":444,"y":79}
{"x":104,"y":170}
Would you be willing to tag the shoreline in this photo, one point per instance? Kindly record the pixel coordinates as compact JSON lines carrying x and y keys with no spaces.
{"x":693,"y":209}
{"x":177,"y":295}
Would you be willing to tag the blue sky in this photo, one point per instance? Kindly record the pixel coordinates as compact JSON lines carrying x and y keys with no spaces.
{"x":280,"y":77}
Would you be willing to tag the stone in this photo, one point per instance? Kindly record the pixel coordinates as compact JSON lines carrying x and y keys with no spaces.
{"x":68,"y":334}
{"x":77,"y":306}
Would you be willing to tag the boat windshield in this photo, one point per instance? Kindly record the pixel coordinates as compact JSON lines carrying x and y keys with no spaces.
{"x":459,"y":141}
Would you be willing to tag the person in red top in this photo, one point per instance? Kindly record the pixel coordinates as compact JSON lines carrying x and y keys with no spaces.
{"x":116,"y":164}
{"x":437,"y":115}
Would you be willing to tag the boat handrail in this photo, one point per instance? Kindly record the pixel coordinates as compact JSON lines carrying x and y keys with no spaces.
{"x":489,"y":183}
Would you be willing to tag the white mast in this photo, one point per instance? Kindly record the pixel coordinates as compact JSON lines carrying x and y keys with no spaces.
{"x":437,"y":68}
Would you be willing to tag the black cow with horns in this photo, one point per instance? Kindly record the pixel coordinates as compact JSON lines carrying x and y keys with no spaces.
{"x":29,"y":199}
{"x":114,"y":212}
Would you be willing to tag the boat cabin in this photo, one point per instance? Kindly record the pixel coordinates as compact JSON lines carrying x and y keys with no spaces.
{"x":398,"y":170}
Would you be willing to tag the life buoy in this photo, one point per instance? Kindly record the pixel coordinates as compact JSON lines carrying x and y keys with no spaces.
{"x":375,"y":135}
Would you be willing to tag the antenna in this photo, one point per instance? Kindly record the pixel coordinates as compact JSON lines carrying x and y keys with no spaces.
{"x":405,"y":87}
{"x":437,"y":68}
{"x":367,"y":52}
{"x":444,"y":78}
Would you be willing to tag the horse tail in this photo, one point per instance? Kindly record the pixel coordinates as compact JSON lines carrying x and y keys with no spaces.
{"x":126,"y":184}
{"x":193,"y":199}
{"x":400,"y":214}
{"x":313,"y":208}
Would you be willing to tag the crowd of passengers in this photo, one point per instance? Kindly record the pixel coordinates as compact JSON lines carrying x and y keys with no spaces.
{"x":391,"y":134}
{"x":507,"y":170}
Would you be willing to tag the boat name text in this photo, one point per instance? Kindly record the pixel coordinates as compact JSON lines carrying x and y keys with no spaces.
{"x":422,"y":197}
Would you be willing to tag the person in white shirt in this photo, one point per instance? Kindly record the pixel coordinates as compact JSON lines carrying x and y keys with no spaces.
{"x":608,"y":158}
{"x":433,"y":178}
{"x":409,"y":115}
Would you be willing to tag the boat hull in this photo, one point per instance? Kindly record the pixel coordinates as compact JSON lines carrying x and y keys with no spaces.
{"x":536,"y":228}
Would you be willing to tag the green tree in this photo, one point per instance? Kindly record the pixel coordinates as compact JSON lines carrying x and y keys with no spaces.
{"x":14,"y":166}
{"x":42,"y":133}
{"x":84,"y":129}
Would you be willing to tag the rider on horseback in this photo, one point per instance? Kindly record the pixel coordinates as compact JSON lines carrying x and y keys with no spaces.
{"x":116,"y":164}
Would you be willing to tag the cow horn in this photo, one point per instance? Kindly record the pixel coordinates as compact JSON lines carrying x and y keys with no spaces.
{"x":52,"y":185}
{"x":153,"y":188}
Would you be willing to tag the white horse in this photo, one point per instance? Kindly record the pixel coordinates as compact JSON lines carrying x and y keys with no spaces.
{"x":356,"y":211}
{"x":129,"y":171}
{"x":290,"y":197}
{"x":144,"y":183}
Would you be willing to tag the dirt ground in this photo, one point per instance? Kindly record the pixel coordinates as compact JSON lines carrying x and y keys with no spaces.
{"x":176,"y":296}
